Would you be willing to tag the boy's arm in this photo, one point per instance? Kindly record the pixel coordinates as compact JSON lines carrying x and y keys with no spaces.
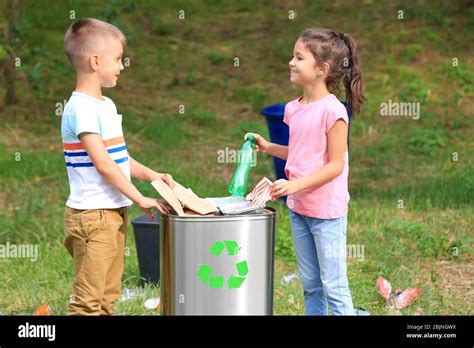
{"x":141,"y":172}
{"x":111,"y":172}
{"x":337,"y":143}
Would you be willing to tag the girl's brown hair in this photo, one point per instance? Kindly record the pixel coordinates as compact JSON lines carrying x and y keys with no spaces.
{"x":339,"y":50}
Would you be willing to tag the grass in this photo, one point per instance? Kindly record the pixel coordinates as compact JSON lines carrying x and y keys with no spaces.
{"x":411,"y":180}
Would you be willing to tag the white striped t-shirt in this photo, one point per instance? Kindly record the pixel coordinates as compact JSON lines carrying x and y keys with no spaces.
{"x":88,"y":189}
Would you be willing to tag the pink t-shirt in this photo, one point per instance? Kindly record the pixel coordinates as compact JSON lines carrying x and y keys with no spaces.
{"x":308,"y":151}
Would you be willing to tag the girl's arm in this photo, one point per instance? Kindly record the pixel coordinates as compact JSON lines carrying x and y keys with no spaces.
{"x":277,"y":150}
{"x":337,"y":143}
{"x":272,"y":149}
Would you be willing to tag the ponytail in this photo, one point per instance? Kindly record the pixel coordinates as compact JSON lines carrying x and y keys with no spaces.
{"x":353,"y":83}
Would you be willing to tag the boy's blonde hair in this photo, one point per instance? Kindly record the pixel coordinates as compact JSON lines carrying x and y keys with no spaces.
{"x":89,"y":35}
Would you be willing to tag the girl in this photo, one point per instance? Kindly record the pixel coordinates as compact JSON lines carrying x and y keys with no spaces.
{"x":317,"y":165}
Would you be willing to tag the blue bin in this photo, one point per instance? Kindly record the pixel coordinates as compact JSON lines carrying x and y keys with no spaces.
{"x":279,"y":132}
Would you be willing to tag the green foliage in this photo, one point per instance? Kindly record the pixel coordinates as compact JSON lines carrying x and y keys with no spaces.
{"x":427,"y":140}
{"x":162,"y":27}
{"x":432,"y":246}
{"x":461,"y":75}
{"x":462,"y":247}
{"x":3,"y":52}
{"x":114,"y":8}
{"x":284,"y":247}
{"x":218,"y":58}
{"x":414,"y":90}
{"x":411,"y":51}
{"x":470,"y":21}
{"x":34,"y":77}
{"x":201,"y":116}
{"x":255,"y":96}
{"x":254,"y":126}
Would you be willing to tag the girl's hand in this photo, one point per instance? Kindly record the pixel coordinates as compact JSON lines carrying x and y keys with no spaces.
{"x":260,"y":142}
{"x":283,"y":187}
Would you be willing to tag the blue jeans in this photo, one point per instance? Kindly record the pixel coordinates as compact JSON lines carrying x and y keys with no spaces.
{"x":320,"y":247}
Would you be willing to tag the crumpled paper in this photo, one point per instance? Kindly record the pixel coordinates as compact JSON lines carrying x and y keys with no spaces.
{"x":400,"y":299}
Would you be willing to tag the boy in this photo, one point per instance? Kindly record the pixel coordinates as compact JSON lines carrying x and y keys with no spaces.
{"x":99,"y":170}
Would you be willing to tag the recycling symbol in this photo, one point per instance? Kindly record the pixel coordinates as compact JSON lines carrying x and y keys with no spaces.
{"x":215,"y":281}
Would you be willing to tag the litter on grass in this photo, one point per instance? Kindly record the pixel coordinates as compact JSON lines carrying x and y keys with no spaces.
{"x":128,"y":294}
{"x":287,"y":279}
{"x":44,"y":310}
{"x":400,"y":299}
{"x":152,"y":303}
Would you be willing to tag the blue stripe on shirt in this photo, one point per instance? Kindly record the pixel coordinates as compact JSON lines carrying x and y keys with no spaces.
{"x":84,"y":153}
{"x":90,"y":164}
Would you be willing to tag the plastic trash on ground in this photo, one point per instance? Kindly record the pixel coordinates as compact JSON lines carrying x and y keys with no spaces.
{"x":287,"y":279}
{"x":400,"y":299}
{"x":384,"y":287}
{"x":44,"y":310}
{"x":406,"y":297}
{"x":128,"y":294}
{"x":152,"y":303}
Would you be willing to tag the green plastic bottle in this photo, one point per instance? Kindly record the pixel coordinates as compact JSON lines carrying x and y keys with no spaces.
{"x":239,"y":182}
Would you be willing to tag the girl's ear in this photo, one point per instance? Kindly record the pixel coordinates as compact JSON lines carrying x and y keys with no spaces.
{"x":94,"y":62}
{"x":322,"y":70}
{"x":325,"y":69}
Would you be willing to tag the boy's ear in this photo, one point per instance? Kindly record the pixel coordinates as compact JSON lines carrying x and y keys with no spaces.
{"x":94,"y":62}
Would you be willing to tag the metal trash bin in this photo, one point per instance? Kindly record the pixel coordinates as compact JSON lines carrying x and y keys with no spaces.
{"x":217,"y":265}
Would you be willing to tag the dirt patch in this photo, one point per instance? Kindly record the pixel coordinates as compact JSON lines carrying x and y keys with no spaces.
{"x":456,"y":279}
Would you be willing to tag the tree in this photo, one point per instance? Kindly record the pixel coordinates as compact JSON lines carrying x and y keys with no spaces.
{"x":12,"y":12}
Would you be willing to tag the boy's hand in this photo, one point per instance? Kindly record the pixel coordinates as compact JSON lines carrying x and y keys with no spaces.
{"x":168,"y":179}
{"x":147,"y":204}
{"x":260,"y":142}
{"x":283,"y":187}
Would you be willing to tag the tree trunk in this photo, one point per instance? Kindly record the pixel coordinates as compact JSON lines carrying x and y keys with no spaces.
{"x":13,"y":10}
{"x":9,"y":74}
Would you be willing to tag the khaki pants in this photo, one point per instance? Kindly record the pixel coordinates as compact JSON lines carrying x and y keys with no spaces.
{"x":96,"y":241}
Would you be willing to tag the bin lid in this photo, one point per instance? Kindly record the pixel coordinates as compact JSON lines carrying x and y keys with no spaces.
{"x":265,"y":213}
{"x":276,"y":110}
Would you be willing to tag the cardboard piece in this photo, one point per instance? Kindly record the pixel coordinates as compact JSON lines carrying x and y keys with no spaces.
{"x":192,"y":201}
{"x":168,"y":195}
{"x":179,"y":197}
{"x":188,"y":212}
